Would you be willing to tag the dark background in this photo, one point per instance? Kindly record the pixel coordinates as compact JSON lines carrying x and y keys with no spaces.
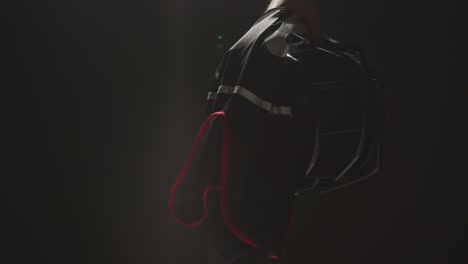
{"x":103,"y":102}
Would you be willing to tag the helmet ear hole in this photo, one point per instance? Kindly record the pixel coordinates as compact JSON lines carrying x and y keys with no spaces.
{"x":287,"y":37}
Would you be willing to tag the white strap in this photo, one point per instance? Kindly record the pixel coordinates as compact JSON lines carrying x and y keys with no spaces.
{"x":273,"y":110}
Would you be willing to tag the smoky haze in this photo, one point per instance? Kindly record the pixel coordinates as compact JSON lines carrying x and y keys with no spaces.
{"x":104,"y":100}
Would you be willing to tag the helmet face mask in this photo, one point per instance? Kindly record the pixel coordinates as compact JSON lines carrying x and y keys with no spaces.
{"x":344,"y":103}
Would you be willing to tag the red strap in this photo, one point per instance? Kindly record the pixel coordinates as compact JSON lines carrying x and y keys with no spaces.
{"x":222,"y":187}
{"x":182,"y":173}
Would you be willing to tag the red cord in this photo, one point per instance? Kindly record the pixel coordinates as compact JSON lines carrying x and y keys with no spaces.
{"x":222,"y":187}
{"x":182,"y":173}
